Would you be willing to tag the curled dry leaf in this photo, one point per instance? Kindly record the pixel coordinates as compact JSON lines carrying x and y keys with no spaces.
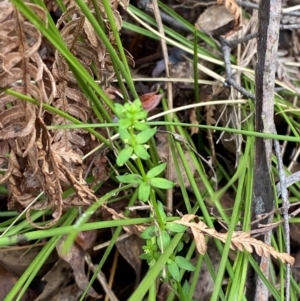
{"x":218,"y":20}
{"x":150,"y":100}
{"x":82,"y":40}
{"x":239,"y":240}
{"x":21,"y":131}
{"x":199,"y":240}
{"x":35,"y":158}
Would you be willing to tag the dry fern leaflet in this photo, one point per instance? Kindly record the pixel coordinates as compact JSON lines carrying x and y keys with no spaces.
{"x":240,"y":240}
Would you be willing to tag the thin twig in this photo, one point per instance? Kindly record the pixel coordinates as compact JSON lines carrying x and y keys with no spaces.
{"x":102,"y":279}
{"x":229,"y":78}
{"x":289,"y":26}
{"x":233,"y":43}
{"x":285,"y":207}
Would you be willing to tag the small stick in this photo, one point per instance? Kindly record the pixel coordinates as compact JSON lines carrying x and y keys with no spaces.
{"x":229,"y":81}
{"x":285,"y":209}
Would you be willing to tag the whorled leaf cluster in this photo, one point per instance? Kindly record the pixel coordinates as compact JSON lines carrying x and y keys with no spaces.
{"x":35,"y":159}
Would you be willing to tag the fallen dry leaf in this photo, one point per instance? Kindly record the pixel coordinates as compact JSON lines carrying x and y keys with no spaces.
{"x":86,"y":239}
{"x":131,"y":249}
{"x":55,"y":280}
{"x":217,"y":20}
{"x":7,"y":281}
{"x":150,"y":100}
{"x":16,"y":259}
{"x":75,"y":257}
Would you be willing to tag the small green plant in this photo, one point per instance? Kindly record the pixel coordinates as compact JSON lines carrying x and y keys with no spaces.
{"x":135,"y":134}
{"x":157,"y":240}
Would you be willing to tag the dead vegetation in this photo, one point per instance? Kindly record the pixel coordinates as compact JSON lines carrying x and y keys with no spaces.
{"x":38,"y":159}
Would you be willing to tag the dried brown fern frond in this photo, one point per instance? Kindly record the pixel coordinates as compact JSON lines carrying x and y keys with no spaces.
{"x":22,"y":70}
{"x":239,"y":240}
{"x":28,"y":152}
{"x":232,"y":7}
{"x":83,"y":42}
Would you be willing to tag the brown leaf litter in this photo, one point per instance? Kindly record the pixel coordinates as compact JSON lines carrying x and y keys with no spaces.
{"x":35,"y":158}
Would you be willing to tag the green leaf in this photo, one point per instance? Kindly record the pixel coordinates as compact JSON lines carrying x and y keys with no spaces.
{"x":141,"y":152}
{"x":174,"y":271}
{"x":179,"y":247}
{"x":163,"y":240}
{"x":141,"y":115}
{"x":145,"y":135}
{"x":124,"y":155}
{"x":175,"y":227}
{"x":155,"y":171}
{"x":130,"y":179}
{"x":186,"y":290}
{"x":144,"y":192}
{"x":141,"y":126}
{"x":119,"y":109}
{"x":170,"y":261}
{"x":137,"y":104}
{"x":161,"y":211}
{"x":144,"y":256}
{"x":124,"y":123}
{"x":161,"y":183}
{"x":149,"y":232}
{"x":124,"y":135}
{"x":184,"y":263}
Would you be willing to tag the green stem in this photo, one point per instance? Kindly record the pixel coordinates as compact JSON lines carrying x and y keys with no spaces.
{"x":138,"y":160}
{"x":156,"y":210}
{"x":141,"y":168}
